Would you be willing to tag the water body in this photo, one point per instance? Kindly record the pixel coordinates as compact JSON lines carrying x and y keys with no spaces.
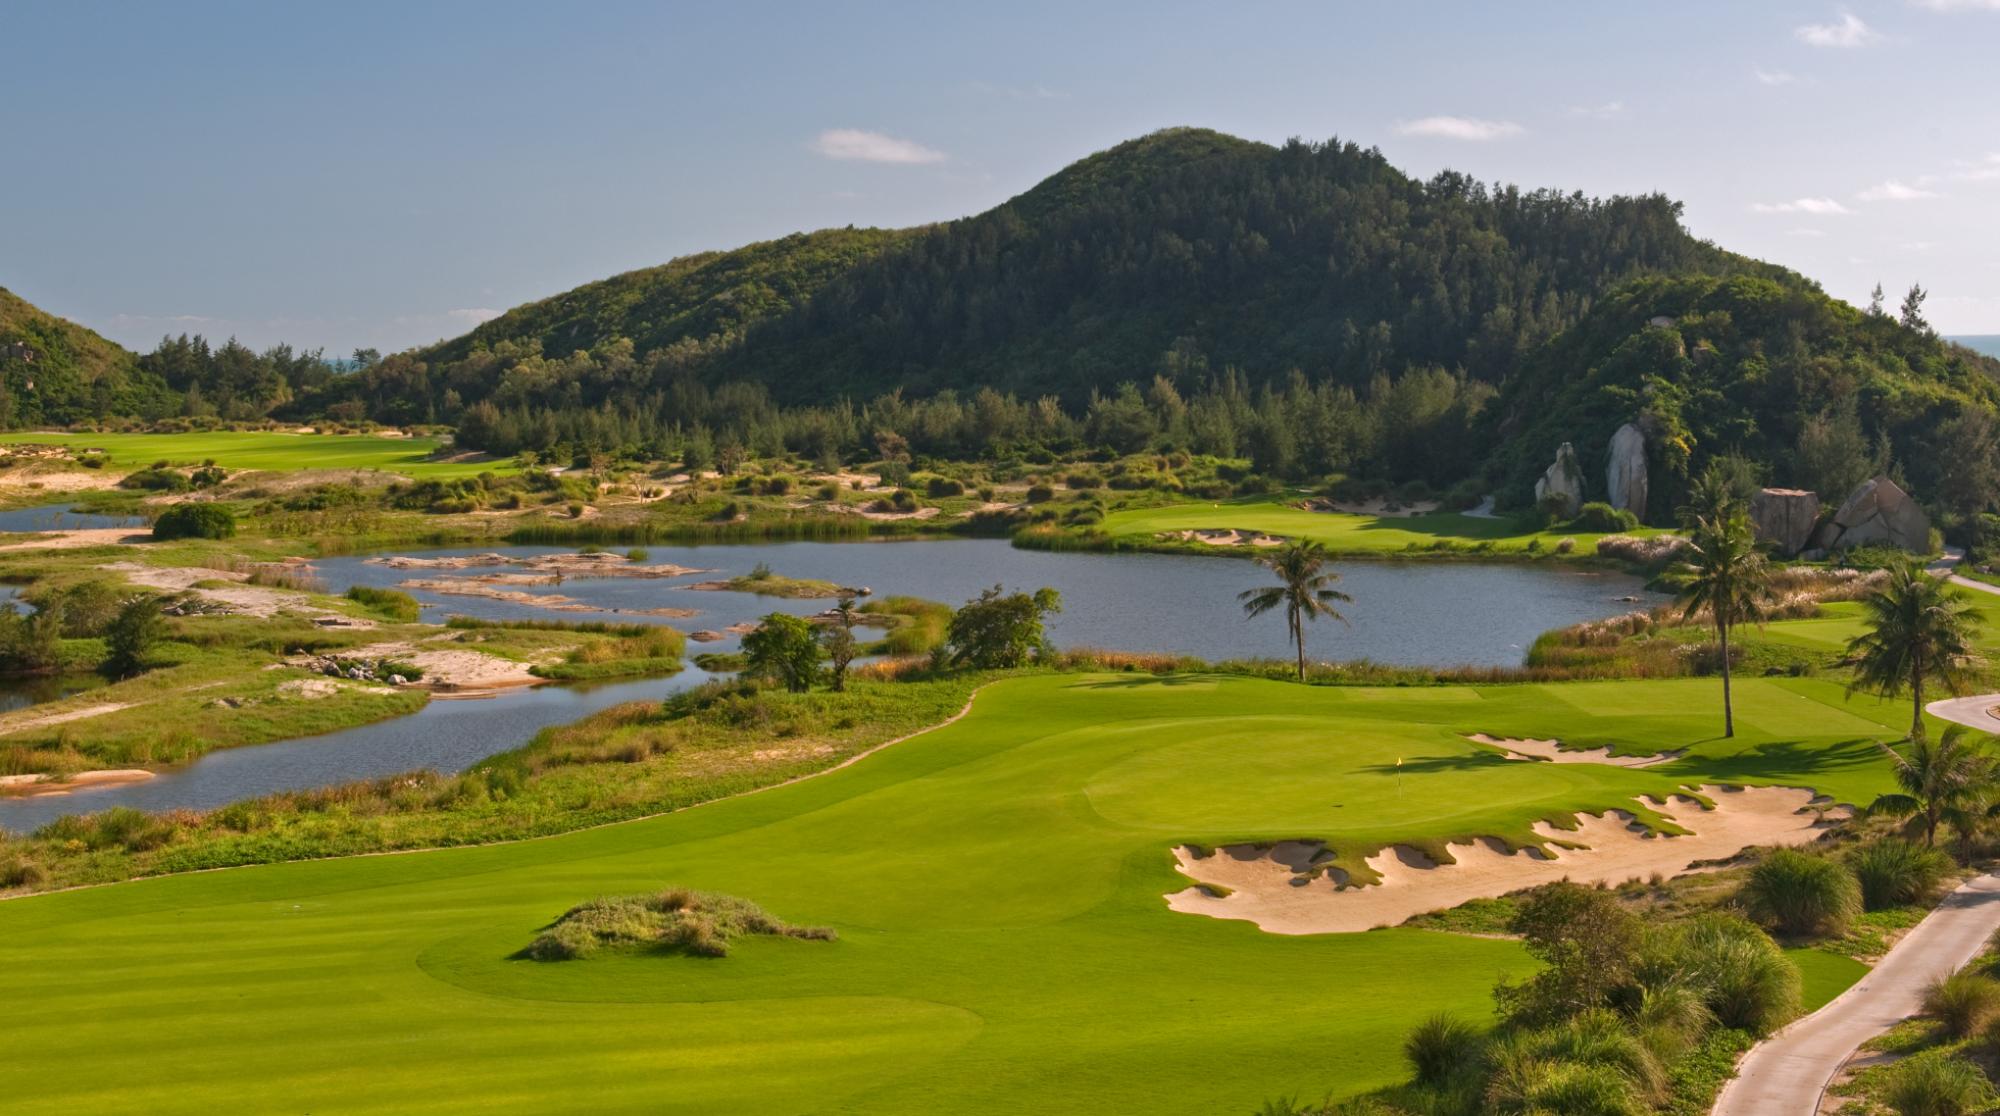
{"x":1406,"y":613}
{"x":59,"y":517}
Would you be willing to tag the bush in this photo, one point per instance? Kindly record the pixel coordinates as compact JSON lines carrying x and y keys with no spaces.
{"x":1962,"y":1002}
{"x":1442,"y":1047}
{"x":1894,"y":872}
{"x":1746,"y":980}
{"x":937,"y":488}
{"x":1936,"y":1084}
{"x":156,"y":479}
{"x":1601,"y":517}
{"x":696,"y":922}
{"x":195,"y":521}
{"x":20,"y":872}
{"x":1040,"y":494}
{"x":391,"y":604}
{"x":130,"y":639}
{"x":1801,"y":894}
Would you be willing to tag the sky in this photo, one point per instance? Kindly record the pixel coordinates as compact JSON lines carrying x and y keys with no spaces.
{"x":384,"y":175}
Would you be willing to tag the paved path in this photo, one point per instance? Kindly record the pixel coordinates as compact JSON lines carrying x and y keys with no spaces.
{"x":1785,"y":1074}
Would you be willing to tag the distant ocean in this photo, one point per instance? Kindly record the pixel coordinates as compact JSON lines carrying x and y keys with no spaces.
{"x":1988,"y":343}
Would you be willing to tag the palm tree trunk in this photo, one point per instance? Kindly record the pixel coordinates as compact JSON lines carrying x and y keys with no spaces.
{"x":1299,"y":641}
{"x":1916,"y":699}
{"x":1728,"y":713}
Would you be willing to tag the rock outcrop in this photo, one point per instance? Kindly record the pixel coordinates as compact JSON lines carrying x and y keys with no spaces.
{"x":1878,"y":513}
{"x":1563,"y":481}
{"x":1625,"y":470}
{"x":1784,"y":517}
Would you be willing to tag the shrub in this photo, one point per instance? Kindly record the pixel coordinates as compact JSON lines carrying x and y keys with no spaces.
{"x":392,"y":604}
{"x":1040,"y":494}
{"x":19,"y":871}
{"x":1961,"y":1002}
{"x":1599,"y":517}
{"x":195,"y":521}
{"x":1801,"y":894}
{"x":1894,"y":872}
{"x":158,"y":478}
{"x":697,"y":922}
{"x":1442,"y":1047}
{"x":940,"y":487}
{"x":1936,"y":1084}
{"x":1746,"y":980}
{"x":130,"y":639}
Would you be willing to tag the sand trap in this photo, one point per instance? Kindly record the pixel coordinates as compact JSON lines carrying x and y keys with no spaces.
{"x":1227,"y":538}
{"x":887,"y":516}
{"x":1381,"y":507}
{"x":35,"y":786}
{"x":1264,"y":883}
{"x":82,"y":537}
{"x":60,"y":717}
{"x":1553,"y":752}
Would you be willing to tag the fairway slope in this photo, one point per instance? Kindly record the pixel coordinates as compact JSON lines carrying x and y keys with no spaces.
{"x":1269,"y":888}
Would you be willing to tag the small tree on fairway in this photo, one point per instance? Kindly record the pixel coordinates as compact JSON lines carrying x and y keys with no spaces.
{"x":785,"y":648}
{"x":841,"y":646}
{"x":1919,"y":629}
{"x":1725,"y":575}
{"x":1000,"y":629}
{"x":1951,"y":781}
{"x":1304,"y":590}
{"x":130,"y":639}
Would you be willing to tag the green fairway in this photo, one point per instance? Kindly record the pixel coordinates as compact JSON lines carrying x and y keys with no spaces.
{"x":997,"y":886}
{"x":272,"y":451}
{"x":1340,"y":532}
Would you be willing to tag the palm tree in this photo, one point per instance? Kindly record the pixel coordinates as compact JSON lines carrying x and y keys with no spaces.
{"x":1722,"y":490}
{"x":1919,"y":628}
{"x":1305,"y":591}
{"x":1725,"y":575}
{"x":1951,"y":781}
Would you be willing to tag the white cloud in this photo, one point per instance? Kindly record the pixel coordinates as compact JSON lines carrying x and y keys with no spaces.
{"x":1774,"y":77}
{"x":1958,"y":5}
{"x":1844,"y":34}
{"x":1460,"y":128}
{"x":872,"y":147}
{"x":1985,"y":170}
{"x":1607,"y":111}
{"x":1818,"y":207}
{"x":474,"y":314}
{"x":1893,"y":190}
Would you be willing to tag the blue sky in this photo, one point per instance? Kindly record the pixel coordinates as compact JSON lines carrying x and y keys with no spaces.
{"x":387,"y":174}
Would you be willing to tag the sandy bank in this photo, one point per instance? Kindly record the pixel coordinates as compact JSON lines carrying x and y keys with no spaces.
{"x":37,"y":786}
{"x":554,"y":602}
{"x":556,"y":566}
{"x":1267,"y":885}
{"x":82,"y":537}
{"x":34,"y":720}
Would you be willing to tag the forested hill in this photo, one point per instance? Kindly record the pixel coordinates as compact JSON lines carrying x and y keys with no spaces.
{"x":1222,"y":252}
{"x":53,"y":371}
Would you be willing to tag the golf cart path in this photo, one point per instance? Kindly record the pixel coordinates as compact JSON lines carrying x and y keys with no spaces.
{"x":1976,"y":710}
{"x":1785,"y":1074}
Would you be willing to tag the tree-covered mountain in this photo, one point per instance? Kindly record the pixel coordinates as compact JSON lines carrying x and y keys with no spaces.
{"x":55,"y":372}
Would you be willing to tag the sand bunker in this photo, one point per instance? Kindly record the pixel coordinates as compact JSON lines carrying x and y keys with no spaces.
{"x":1550,"y":750}
{"x":579,"y":565}
{"x":1268,"y":886}
{"x":1227,"y":538}
{"x":59,"y":717}
{"x":554,"y":602}
{"x":35,"y":786}
{"x":82,"y":537}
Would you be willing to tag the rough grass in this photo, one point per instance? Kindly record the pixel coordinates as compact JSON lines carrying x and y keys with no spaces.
{"x":701,"y":923}
{"x":234,"y":450}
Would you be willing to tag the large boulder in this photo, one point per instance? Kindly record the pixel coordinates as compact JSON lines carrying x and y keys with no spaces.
{"x":1563,"y":480}
{"x":1784,"y":517}
{"x":1879,"y":513}
{"x":1625,"y":470}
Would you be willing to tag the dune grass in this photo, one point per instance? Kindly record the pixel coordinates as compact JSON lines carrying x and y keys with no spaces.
{"x":996,"y":887}
{"x":233,"y":450}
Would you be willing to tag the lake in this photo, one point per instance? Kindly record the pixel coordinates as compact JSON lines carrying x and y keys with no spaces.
{"x":1404,"y":613}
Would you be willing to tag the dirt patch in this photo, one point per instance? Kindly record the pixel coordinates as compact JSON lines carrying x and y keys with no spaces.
{"x":311,"y":689}
{"x":1270,"y":887}
{"x":240,"y":599}
{"x":1553,"y":752}
{"x":554,"y":602}
{"x":450,"y":671}
{"x":23,"y":723}
{"x":846,"y":480}
{"x":36,"y":786}
{"x":82,"y":537}
{"x":80,"y":480}
{"x":886,"y":516}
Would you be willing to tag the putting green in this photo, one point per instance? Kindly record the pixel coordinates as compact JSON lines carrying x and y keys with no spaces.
{"x":272,"y":451}
{"x":998,"y":889}
{"x":1340,"y":532}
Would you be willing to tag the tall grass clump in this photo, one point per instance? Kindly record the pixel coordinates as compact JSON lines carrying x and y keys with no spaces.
{"x":1802,"y":895}
{"x":1962,"y":1002}
{"x":390,"y":604}
{"x":678,"y":919}
{"x":1443,"y":1047}
{"x":1894,"y":872}
{"x":1935,"y":1083}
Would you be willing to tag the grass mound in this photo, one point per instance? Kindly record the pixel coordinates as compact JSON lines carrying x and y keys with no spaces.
{"x":698,"y":922}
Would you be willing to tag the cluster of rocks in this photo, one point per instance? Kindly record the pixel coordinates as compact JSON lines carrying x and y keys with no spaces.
{"x":1877,"y":513}
{"x":1561,"y":482}
{"x":1625,"y":483}
{"x":357,"y":670}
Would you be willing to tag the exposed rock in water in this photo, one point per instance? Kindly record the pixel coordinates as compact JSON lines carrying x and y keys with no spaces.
{"x":1878,"y":513}
{"x":1625,"y":470}
{"x":1563,"y":481}
{"x":1784,"y":517}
